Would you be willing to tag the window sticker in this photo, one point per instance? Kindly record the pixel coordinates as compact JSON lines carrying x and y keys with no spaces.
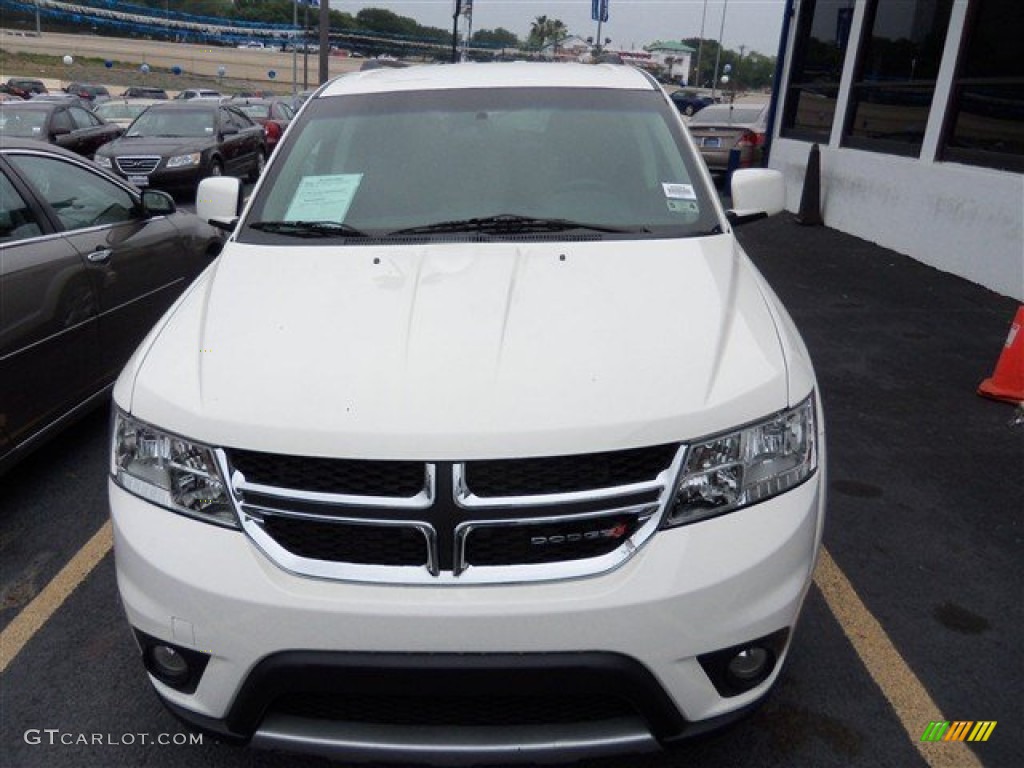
{"x":679,"y":191}
{"x":686,"y":207}
{"x":324,"y":198}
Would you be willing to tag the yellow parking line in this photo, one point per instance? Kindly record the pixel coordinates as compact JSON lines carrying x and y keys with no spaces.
{"x":914,"y":707}
{"x":34,"y":615}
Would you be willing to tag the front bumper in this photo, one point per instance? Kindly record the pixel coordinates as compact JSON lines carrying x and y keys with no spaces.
{"x":688,"y":591}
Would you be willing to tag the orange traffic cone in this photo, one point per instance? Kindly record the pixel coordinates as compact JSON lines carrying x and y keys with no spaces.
{"x":1007,"y":382}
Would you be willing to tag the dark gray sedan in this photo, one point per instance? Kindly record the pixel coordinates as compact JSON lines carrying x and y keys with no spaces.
{"x":65,"y":123}
{"x":173,"y":145}
{"x":87,"y":266}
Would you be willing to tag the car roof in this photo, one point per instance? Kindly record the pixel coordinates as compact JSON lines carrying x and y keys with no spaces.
{"x":42,"y":105}
{"x":490,"y":75}
{"x":185,"y":105}
{"x":16,"y":143}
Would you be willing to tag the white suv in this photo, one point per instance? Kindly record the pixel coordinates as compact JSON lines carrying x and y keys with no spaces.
{"x":482,"y":440}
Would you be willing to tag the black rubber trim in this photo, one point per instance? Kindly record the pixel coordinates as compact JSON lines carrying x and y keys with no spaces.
{"x":430,"y":675}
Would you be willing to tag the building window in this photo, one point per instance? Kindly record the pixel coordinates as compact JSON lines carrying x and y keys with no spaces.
{"x":823,"y":30}
{"x":986,"y":120}
{"x":896,"y":73}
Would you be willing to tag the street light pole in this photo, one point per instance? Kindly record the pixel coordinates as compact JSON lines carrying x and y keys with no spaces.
{"x":700,"y":43}
{"x":295,"y":50}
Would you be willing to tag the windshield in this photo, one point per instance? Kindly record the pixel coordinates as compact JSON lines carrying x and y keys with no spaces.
{"x":445,"y":161}
{"x":726,"y":113}
{"x":255,"y":110}
{"x":110,"y":111}
{"x":189,"y":123}
{"x":22,"y":122}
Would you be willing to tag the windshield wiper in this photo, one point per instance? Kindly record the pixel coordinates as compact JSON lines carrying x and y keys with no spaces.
{"x":508,"y":223}
{"x":308,"y":228}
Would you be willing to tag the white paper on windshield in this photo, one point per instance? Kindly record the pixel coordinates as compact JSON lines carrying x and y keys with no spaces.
{"x":679,"y":191}
{"x":324,"y":198}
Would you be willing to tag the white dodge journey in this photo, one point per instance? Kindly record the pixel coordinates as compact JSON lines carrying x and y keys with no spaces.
{"x":481,"y":441}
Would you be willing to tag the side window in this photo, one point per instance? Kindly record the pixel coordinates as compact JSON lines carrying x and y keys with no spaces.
{"x":82,"y":119}
{"x":79,"y":197}
{"x":822,"y":35}
{"x":239,"y":120}
{"x":61,"y":121}
{"x":17,"y":222}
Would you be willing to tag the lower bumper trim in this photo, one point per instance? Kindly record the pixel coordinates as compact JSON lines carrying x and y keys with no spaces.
{"x":455,"y":745}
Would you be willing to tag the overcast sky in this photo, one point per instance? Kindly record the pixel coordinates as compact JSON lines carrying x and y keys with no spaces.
{"x":631,"y":23}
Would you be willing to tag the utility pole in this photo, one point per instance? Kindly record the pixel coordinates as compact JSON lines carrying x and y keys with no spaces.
{"x":295,"y":47}
{"x":718,"y":54}
{"x":455,"y":31}
{"x":325,"y":40}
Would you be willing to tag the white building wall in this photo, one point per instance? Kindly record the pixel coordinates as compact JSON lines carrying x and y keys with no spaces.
{"x":961,"y":219}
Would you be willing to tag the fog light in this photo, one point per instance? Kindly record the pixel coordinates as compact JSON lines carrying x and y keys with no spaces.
{"x":748,"y":665}
{"x":742,"y":667}
{"x":169,"y":665}
{"x":174,"y":666}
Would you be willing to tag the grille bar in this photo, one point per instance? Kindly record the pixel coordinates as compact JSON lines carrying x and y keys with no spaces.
{"x":437,"y":530}
{"x":137,"y":165}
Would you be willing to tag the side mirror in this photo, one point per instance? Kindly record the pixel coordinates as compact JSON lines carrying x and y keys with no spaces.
{"x":157,"y":203}
{"x":756,"y":193}
{"x":228,"y":130}
{"x":219,"y":201}
{"x":60,"y":132}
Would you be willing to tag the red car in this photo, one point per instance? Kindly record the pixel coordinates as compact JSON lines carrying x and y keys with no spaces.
{"x":273,"y":114}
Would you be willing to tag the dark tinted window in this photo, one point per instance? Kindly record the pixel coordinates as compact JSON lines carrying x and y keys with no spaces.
{"x":986,"y":121}
{"x":896,"y":74}
{"x":61,"y":121}
{"x":80,"y":197}
{"x":17,"y":221}
{"x":82,"y":118}
{"x":823,"y":31}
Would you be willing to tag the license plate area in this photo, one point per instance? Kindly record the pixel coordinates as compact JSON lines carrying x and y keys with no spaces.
{"x":139,"y":181}
{"x":712,"y":142}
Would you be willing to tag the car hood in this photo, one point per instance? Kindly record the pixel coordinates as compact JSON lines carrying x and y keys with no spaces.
{"x":449,"y":351}
{"x":145,"y":145}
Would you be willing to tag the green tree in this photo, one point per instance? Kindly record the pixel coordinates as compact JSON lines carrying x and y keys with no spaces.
{"x":495,"y":38}
{"x":544,"y":30}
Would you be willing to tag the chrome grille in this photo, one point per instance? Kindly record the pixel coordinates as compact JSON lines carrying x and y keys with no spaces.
{"x":498,"y":521}
{"x":137,"y":165}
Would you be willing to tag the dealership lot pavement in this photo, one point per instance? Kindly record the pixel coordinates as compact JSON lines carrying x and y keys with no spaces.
{"x":916,"y":615}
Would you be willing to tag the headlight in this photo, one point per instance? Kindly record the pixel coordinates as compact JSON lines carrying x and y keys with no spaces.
{"x":169,"y":471}
{"x":744,"y":467}
{"x":102,"y":162}
{"x":182,"y":161}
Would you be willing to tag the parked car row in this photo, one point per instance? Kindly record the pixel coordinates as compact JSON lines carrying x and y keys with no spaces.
{"x":169,"y":145}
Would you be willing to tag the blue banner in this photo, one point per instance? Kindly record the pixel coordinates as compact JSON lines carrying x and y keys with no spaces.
{"x":599,"y":10}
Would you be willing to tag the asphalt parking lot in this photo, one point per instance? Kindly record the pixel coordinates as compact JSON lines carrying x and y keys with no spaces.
{"x":915,"y":616}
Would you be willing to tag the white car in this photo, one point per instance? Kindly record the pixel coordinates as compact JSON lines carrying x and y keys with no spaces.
{"x":481,"y":441}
